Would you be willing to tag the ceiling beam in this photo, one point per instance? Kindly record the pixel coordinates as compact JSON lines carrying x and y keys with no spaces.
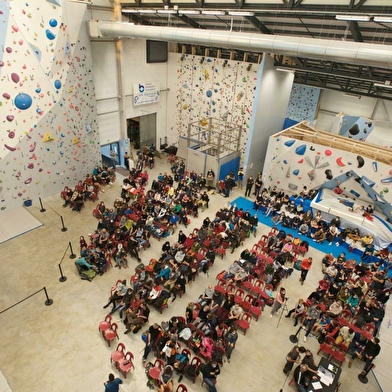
{"x":189,"y":21}
{"x":355,"y":31}
{"x":258,"y":25}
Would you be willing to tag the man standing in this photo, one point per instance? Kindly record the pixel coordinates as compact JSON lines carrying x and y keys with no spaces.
{"x":240,"y":176}
{"x":113,"y":385}
{"x":258,"y":184}
{"x":306,"y":264}
{"x":372,"y":349}
{"x":249,"y":185}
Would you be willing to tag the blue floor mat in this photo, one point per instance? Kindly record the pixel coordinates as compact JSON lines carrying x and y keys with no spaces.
{"x":246,"y":204}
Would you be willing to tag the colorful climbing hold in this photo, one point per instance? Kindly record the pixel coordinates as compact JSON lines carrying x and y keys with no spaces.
{"x":23,"y":101}
{"x":300,"y":150}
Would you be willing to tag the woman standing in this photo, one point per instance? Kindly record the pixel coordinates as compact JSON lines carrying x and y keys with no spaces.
{"x":210,"y":179}
{"x":279,"y":300}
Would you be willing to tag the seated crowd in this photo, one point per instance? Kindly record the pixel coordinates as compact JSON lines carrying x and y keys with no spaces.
{"x":89,"y":188}
{"x":348,"y":301}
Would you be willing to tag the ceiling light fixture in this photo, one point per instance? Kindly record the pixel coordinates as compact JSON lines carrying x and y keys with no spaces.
{"x":130,"y":11}
{"x":383,"y":19}
{"x":353,"y":18}
{"x":241,"y":13}
{"x":167,"y":12}
{"x":387,"y":84}
{"x":142,"y":11}
{"x":213,"y":12}
{"x":189,"y":12}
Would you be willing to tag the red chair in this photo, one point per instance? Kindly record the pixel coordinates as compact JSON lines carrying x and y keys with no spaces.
{"x":111,"y":333}
{"x":221,"y":251}
{"x":239,"y":296}
{"x":231,"y":288}
{"x":181,"y":388}
{"x":220,"y":289}
{"x":220,"y":276}
{"x":337,"y":356}
{"x":105,"y":325}
{"x":256,"y":312}
{"x":369,"y":327}
{"x":243,"y":323}
{"x":196,"y":361}
{"x":325,"y":349}
{"x":257,"y":287}
{"x":125,"y":364}
{"x":118,"y":354}
{"x":248,"y":283}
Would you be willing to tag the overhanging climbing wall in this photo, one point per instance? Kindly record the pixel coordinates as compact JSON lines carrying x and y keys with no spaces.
{"x":49,"y":136}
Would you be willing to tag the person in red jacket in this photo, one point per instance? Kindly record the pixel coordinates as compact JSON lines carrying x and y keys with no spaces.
{"x":306,"y":264}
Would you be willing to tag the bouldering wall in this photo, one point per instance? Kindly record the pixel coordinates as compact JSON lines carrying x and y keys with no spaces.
{"x":210,"y":87}
{"x":301,"y":156}
{"x":49,"y":135}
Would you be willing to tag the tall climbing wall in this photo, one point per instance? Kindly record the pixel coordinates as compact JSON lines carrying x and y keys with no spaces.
{"x":210,"y":87}
{"x":49,"y":135}
{"x":293,"y":160}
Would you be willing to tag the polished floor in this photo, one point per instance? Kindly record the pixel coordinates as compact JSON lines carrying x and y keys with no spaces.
{"x":58,"y":347}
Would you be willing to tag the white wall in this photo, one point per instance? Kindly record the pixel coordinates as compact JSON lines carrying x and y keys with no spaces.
{"x":269,"y":110}
{"x":136,"y":70}
{"x":380,"y":111}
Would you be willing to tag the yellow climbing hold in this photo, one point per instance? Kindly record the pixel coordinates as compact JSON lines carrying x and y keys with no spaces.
{"x":48,"y":137}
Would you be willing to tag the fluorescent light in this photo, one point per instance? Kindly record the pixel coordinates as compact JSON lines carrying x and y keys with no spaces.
{"x":285,"y":69}
{"x":129,"y":11}
{"x":387,"y":84}
{"x":241,"y":13}
{"x":167,"y":12}
{"x":189,"y":12}
{"x":213,"y":12}
{"x":383,"y":19}
{"x":142,"y":11}
{"x":354,"y":18}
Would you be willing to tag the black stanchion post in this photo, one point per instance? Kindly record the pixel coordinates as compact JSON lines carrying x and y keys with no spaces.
{"x":62,"y":222}
{"x":48,"y":301}
{"x":363,"y":376}
{"x":294,"y":338}
{"x":72,"y":255}
{"x":42,"y":206}
{"x":62,"y":278}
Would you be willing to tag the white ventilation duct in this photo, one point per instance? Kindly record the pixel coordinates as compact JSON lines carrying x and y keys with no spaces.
{"x":375,"y":55}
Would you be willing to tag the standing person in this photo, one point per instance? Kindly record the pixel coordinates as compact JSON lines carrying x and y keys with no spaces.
{"x":210,"y":179}
{"x":113,"y":384}
{"x":230,"y":341}
{"x":126,"y":159}
{"x":279,"y":300}
{"x":249,"y":185}
{"x":240,"y":176}
{"x":293,"y":357}
{"x":372,"y":349}
{"x":229,"y":185}
{"x":152,"y":335}
{"x":306,"y":264}
{"x":210,"y":373}
{"x":113,"y":156}
{"x":258,"y":184}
